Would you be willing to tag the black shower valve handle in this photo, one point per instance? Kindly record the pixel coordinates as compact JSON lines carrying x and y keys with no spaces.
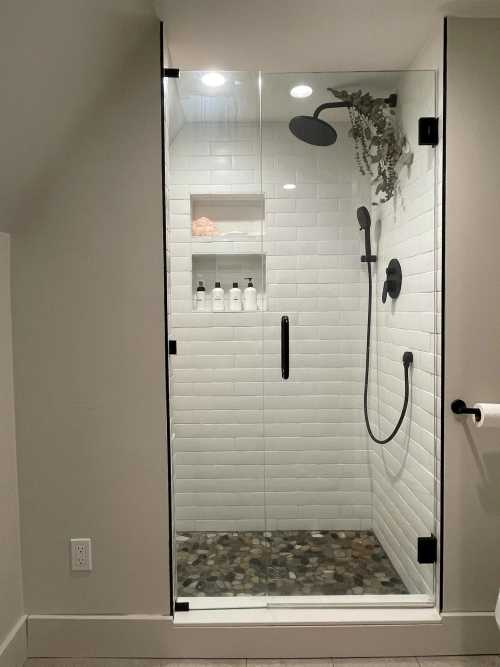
{"x":384,"y":291}
{"x":388,"y":282}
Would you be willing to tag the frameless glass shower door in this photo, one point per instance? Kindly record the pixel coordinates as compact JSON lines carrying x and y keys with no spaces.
{"x":345,"y":513}
{"x":280,"y":495}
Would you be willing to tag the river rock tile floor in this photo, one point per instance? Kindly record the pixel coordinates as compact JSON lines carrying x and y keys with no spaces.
{"x":284,"y":563}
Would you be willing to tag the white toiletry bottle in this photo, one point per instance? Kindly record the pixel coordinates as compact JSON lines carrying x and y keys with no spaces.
{"x":250,"y":296}
{"x":200,"y":297}
{"x":217,"y":298}
{"x":235,"y":298}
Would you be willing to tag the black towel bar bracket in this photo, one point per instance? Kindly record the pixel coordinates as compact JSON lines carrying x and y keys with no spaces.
{"x":459,"y":407}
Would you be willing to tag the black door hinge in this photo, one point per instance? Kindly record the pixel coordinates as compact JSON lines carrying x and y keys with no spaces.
{"x":171,"y":72}
{"x":181,"y":606}
{"x":172,"y":347}
{"x":428,"y":132}
{"x":427,"y":549}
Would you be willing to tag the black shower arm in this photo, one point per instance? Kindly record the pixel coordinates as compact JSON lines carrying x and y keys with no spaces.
{"x":391,"y":101}
{"x":331,"y":105}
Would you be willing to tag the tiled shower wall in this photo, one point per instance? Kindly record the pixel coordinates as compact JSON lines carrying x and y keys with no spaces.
{"x":278,"y":455}
{"x":404,"y":469}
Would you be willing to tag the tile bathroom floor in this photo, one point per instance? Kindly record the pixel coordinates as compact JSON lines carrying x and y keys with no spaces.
{"x":451,"y":661}
{"x":283,"y":563}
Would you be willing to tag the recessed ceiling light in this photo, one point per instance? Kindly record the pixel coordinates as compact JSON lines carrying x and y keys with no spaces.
{"x":213,"y":79}
{"x":289,"y":186}
{"x":301,"y":91}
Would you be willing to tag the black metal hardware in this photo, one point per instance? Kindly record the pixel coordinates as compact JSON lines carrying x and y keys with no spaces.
{"x":391,"y":101}
{"x":427,"y":549}
{"x":181,"y":606}
{"x":459,"y":407}
{"x":368,"y":258}
{"x":392,"y":284}
{"x":171,"y":72}
{"x":172,"y":347}
{"x":428,"y":132}
{"x":171,"y":540}
{"x":407,"y":359}
{"x":285,"y":347}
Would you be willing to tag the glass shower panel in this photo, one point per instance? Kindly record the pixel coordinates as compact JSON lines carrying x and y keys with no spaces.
{"x":344,"y":512}
{"x":215,"y":218}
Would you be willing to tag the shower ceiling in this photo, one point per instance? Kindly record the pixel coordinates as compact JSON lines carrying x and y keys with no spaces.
{"x":236,"y":99}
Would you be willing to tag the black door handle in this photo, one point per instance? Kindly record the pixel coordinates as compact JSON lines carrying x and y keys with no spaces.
{"x":285,"y":347}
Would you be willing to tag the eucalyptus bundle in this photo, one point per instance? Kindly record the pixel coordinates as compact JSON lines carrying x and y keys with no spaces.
{"x":381,"y":148}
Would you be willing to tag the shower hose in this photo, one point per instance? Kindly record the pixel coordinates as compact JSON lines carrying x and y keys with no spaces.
{"x":407,"y":360}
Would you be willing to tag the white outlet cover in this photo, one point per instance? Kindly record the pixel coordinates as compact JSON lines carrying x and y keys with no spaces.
{"x":81,"y":554}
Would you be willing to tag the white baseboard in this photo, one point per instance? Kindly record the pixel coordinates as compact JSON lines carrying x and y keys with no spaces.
{"x":13,"y":649}
{"x":159,"y":637}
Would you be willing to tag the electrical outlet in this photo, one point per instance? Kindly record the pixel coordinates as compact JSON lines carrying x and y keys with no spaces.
{"x":81,"y":554}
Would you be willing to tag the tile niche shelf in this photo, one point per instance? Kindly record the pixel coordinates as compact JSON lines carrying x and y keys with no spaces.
{"x":228,"y":223}
{"x":229,"y":247}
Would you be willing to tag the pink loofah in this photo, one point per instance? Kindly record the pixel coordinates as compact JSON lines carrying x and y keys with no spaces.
{"x":203,"y":227}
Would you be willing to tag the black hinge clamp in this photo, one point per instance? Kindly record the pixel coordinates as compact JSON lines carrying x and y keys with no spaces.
{"x":428,"y":132}
{"x":427,"y":549}
{"x":172,"y":347}
{"x":181,"y":606}
{"x":171,"y":72}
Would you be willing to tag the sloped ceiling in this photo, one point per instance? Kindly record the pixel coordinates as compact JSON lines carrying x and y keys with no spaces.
{"x":57,"y":57}
{"x":306,"y":35}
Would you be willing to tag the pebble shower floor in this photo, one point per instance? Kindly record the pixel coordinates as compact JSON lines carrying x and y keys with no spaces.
{"x":283,"y":563}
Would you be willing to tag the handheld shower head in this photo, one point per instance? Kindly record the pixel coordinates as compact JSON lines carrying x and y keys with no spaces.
{"x":365,"y":224}
{"x":364,"y":218}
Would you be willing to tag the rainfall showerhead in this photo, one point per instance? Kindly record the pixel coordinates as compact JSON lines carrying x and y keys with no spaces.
{"x":317,"y":132}
{"x":312,"y":129}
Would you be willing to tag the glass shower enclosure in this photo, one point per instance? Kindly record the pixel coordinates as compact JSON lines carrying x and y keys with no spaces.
{"x":279,"y":495}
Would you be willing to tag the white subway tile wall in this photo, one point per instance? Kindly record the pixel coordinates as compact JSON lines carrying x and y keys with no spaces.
{"x":403,"y":471}
{"x":252,"y":452}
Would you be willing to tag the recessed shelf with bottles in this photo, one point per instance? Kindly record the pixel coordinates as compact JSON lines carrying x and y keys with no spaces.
{"x":227,"y":249}
{"x":226,"y":270}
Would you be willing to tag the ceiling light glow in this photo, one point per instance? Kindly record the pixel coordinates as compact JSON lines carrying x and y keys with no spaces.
{"x":289,"y":186}
{"x":301,"y":91}
{"x":213,"y":79}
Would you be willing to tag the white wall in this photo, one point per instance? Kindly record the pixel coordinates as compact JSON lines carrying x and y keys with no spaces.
{"x":471,"y":503}
{"x":277,"y":455}
{"x":89,"y":352}
{"x":471,"y":568}
{"x":75,"y":47}
{"x":11,"y":592}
